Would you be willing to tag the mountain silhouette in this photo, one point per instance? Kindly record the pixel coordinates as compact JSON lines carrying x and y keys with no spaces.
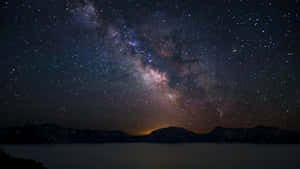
{"x":53,"y":134}
{"x":169,"y":134}
{"x":172,"y":132}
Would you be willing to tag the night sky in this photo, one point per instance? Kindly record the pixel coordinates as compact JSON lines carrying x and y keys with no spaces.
{"x":139,"y":65}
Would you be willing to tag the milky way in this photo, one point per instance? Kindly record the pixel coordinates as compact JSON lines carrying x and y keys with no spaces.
{"x":138,"y":65}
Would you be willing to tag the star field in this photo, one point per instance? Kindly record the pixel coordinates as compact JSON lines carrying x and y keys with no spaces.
{"x":137,"y":65}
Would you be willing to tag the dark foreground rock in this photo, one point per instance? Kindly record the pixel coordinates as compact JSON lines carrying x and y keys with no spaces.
{"x":8,"y":162}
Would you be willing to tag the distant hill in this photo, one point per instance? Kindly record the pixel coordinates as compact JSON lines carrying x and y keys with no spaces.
{"x":174,"y":132}
{"x":49,"y":133}
{"x":53,"y":134}
{"x":259,"y":134}
{"x":170,"y":134}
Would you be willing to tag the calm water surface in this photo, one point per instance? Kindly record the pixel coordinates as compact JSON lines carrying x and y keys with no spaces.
{"x":161,"y":156}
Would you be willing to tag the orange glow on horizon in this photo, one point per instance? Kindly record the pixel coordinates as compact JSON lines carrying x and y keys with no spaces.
{"x":149,"y":131}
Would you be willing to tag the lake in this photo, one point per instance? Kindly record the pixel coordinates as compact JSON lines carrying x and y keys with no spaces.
{"x":160,"y":156}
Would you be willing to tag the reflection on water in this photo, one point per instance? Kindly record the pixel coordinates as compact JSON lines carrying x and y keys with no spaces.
{"x":161,"y":156}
